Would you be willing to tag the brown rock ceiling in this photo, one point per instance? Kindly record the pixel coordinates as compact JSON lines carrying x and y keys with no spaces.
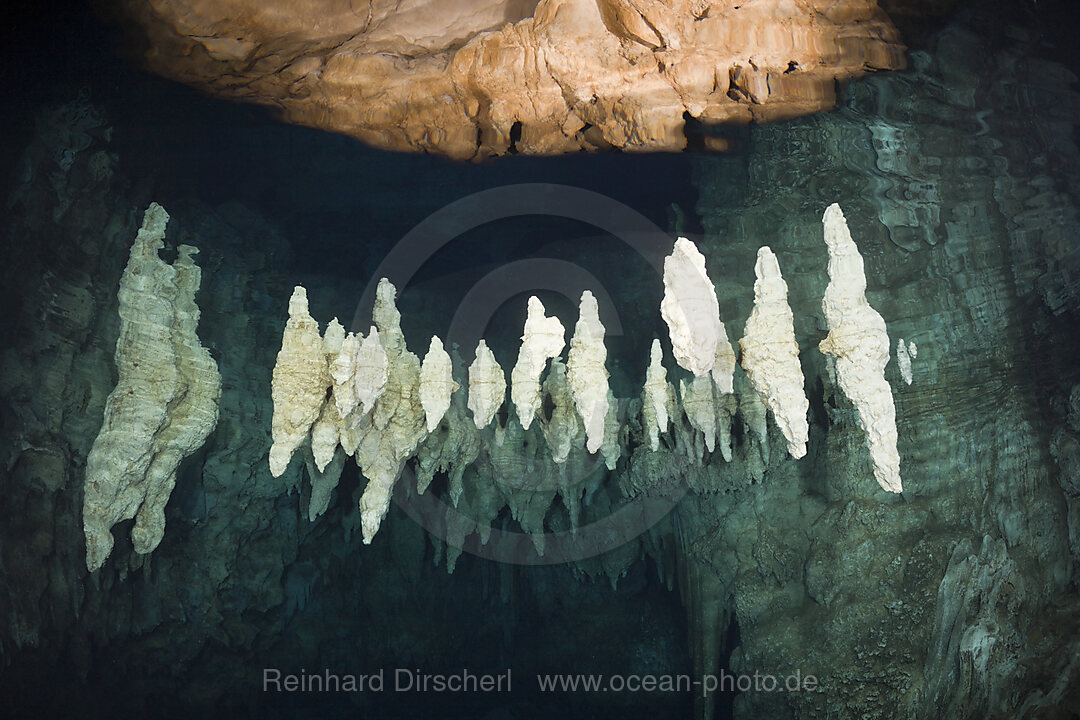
{"x":475,"y":78}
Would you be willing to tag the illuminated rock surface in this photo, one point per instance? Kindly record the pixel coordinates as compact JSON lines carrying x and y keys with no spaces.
{"x":475,"y":79}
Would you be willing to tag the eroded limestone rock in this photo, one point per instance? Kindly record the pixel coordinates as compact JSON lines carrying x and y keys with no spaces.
{"x":904,"y":354}
{"x":165,"y":403}
{"x":372,"y":370}
{"x":858,"y":341}
{"x":397,"y":420}
{"x":770,"y":354}
{"x":487,"y":386}
{"x":658,"y":397}
{"x":698,"y":337}
{"x":544,"y":338}
{"x":301,"y":377}
{"x":436,"y":383}
{"x":586,"y":373}
{"x":541,"y":77}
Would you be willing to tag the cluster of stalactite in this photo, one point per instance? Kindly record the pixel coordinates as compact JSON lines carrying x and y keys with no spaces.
{"x":563,"y":433}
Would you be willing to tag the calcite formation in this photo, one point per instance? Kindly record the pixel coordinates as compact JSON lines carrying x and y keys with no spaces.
{"x":436,"y":383}
{"x":543,"y":339}
{"x":487,"y":386}
{"x":372,"y":370}
{"x":325,"y":431}
{"x":301,"y":376}
{"x":858,"y":341}
{"x":165,"y":403}
{"x":343,"y":373}
{"x":397,"y":419}
{"x":658,"y":397}
{"x":586,"y":373}
{"x":770,"y":354}
{"x":563,"y":429}
{"x":380,"y":404}
{"x":325,"y":435}
{"x":692,"y":313}
{"x":379,"y":419}
{"x":700,"y":406}
{"x":904,"y":355}
{"x":360,"y":372}
{"x":471,"y":80}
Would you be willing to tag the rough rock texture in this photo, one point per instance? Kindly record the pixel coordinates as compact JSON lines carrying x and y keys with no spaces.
{"x":372,"y":371}
{"x":165,"y":402}
{"x":475,"y":79}
{"x":959,"y":599}
{"x":325,"y":435}
{"x":563,"y":428}
{"x":487,"y":386}
{"x":397,"y":420}
{"x":658,"y":397}
{"x":326,"y":432}
{"x":543,"y":339}
{"x":698,"y":337}
{"x":859,"y":342}
{"x":770,"y":354}
{"x":436,"y":383}
{"x":343,"y":373}
{"x":697,"y":399}
{"x":586,"y":373}
{"x":301,"y":377}
{"x":903,"y":360}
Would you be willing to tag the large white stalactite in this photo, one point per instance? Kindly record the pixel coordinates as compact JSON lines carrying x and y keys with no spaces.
{"x":544,"y":338}
{"x":165,"y":403}
{"x":770,"y":354}
{"x":383,"y":405}
{"x":698,"y":337}
{"x":300,"y":380}
{"x":586,"y":373}
{"x":860,"y":344}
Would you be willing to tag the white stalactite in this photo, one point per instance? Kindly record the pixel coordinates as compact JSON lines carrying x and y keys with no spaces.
{"x":487,"y":386}
{"x":698,"y":337}
{"x":384,"y":402}
{"x":770,"y":354}
{"x":301,"y":377}
{"x":165,"y":403}
{"x":436,"y":383}
{"x":372,"y":370}
{"x":586,"y":373}
{"x":903,"y":360}
{"x":859,"y":342}
{"x":656,"y":399}
{"x":543,"y":339}
{"x":343,"y":372}
{"x":397,"y":421}
{"x":325,"y":432}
